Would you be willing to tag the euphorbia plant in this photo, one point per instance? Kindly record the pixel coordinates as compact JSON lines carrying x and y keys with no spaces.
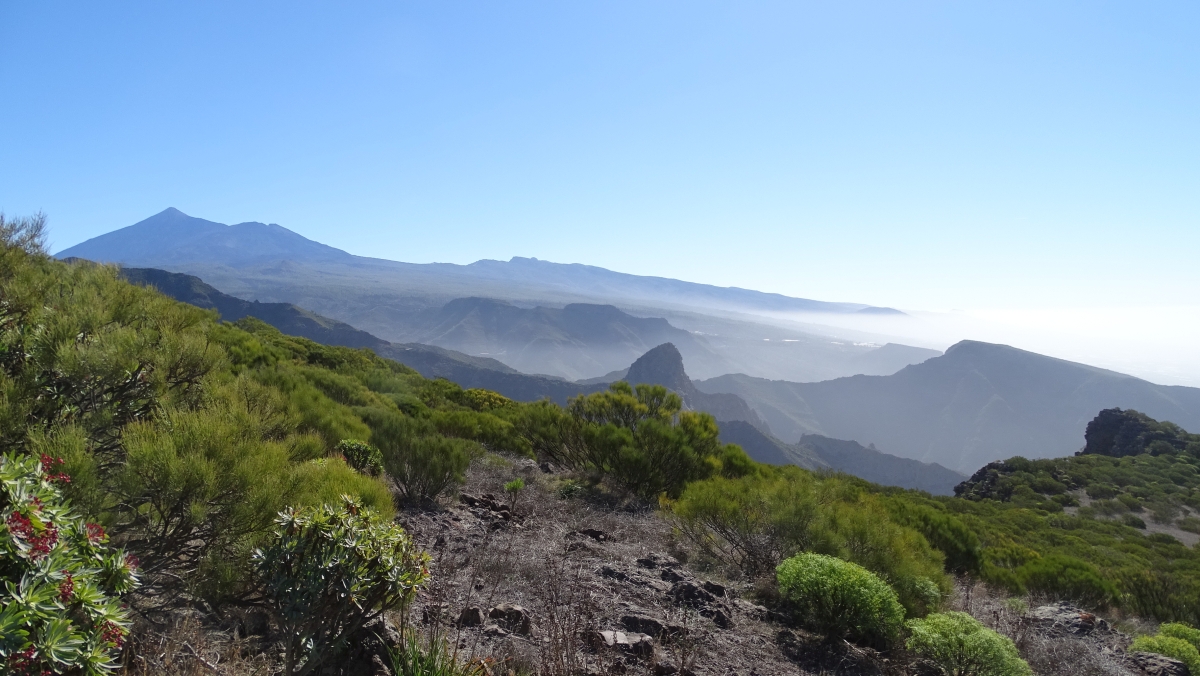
{"x":59,"y":578}
{"x":331,"y":569}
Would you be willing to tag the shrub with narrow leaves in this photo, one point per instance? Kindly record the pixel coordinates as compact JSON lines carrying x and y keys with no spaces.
{"x":331,"y":569}
{"x":840,"y":599}
{"x":961,"y":646}
{"x":361,"y":456}
{"x":59,"y":579}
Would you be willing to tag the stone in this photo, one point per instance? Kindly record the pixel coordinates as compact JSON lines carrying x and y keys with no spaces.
{"x":665,"y":667}
{"x":1068,"y":618}
{"x":691,"y":594}
{"x":471,"y":617}
{"x":494,"y":630}
{"x":633,"y":643}
{"x":714,"y":588}
{"x":547,"y":467}
{"x":593,"y":533}
{"x":514,"y":618}
{"x":379,"y":667}
{"x":613,"y":573}
{"x":1153,"y":664}
{"x":669,"y":575}
{"x":383,"y":629}
{"x":643,"y":624}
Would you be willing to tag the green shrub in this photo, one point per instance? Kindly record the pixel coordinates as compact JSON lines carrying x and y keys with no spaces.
{"x":641,"y":439}
{"x":840,"y":599}
{"x":1069,"y":578}
{"x":426,"y":467}
{"x":331,"y":569}
{"x":961,"y":646}
{"x":59,"y":579}
{"x":1182,"y":631}
{"x":361,"y":456}
{"x":1175,"y":648}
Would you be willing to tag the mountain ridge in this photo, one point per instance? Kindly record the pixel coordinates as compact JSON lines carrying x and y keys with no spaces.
{"x":976,"y":403}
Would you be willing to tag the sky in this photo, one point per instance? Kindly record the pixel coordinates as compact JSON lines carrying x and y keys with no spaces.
{"x":1016,"y":160}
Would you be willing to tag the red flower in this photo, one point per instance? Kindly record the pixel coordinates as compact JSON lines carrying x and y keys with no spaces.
{"x":132,"y":562}
{"x":19,"y":525}
{"x":49,"y":464}
{"x":95,"y":532}
{"x":42,"y":544}
{"x":111,"y":633}
{"x":66,"y":589}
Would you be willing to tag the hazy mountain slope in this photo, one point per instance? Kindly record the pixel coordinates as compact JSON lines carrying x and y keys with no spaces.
{"x":873,"y":465}
{"x":391,"y":300}
{"x":430,"y":361}
{"x":977,"y":403}
{"x":577,"y":341}
{"x":767,"y":449}
{"x":288,"y":318}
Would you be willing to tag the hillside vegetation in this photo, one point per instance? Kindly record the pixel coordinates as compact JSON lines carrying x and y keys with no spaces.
{"x":222,"y":466}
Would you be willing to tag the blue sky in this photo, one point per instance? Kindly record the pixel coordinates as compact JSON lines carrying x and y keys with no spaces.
{"x":924,"y":155}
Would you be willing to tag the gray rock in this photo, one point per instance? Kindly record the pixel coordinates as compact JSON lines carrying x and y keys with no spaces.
{"x":1068,"y":618}
{"x":471,"y":617}
{"x":691,"y":594}
{"x":643,"y":624}
{"x":512,"y":617}
{"x":1153,"y":664}
{"x":494,"y":630}
{"x":632,"y":643}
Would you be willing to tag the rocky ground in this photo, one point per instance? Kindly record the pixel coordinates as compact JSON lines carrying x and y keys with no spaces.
{"x":556,"y":580}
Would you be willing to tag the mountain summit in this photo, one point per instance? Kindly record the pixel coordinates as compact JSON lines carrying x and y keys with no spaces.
{"x":172,"y":238}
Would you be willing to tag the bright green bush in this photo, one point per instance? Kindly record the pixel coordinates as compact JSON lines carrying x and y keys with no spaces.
{"x":1181,"y":631}
{"x":59,"y":579}
{"x":961,"y":646}
{"x":1069,"y":578}
{"x":331,"y":569}
{"x":840,"y":599}
{"x":361,"y":456}
{"x":1175,"y":648}
{"x":641,"y":439}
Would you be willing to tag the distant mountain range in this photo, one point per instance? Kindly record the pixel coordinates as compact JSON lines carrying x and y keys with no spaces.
{"x":977,"y":403}
{"x":662,"y":365}
{"x":534,"y":316}
{"x":577,"y":341}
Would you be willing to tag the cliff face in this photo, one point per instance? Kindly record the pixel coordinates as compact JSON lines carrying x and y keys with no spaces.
{"x":664,"y":366}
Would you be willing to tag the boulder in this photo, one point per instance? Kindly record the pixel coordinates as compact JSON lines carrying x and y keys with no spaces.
{"x":471,"y":617}
{"x":1068,"y":618}
{"x":512,"y":617}
{"x":633,"y":643}
{"x":1153,"y":664}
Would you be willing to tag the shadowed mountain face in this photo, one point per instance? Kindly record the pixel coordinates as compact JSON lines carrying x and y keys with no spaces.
{"x":567,"y":333}
{"x":852,"y":457}
{"x":664,"y":366}
{"x":428,"y":360}
{"x":977,"y":403}
{"x":578,"y":341}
